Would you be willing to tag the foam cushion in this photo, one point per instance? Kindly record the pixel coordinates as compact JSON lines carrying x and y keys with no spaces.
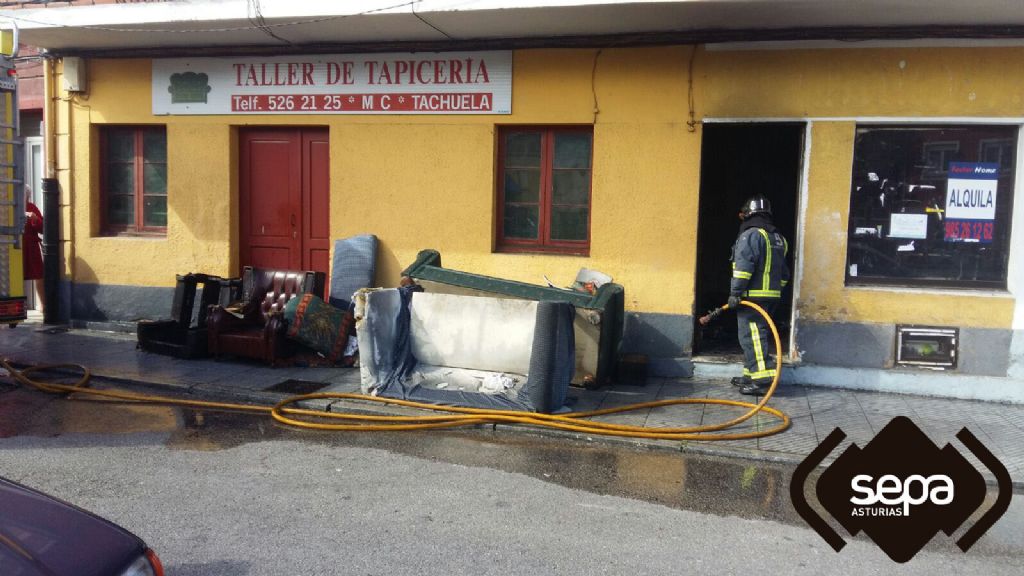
{"x":472,"y":332}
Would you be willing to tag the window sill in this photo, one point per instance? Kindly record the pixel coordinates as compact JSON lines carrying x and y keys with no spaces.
{"x":535,"y":250}
{"x":937,"y":290}
{"x":140,"y":235}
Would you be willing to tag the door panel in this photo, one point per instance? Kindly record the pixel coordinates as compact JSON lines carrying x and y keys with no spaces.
{"x":268,"y":257}
{"x":320,"y":260}
{"x":270,"y":191}
{"x":316,"y":236}
{"x":284,"y":199}
{"x":271,"y":203}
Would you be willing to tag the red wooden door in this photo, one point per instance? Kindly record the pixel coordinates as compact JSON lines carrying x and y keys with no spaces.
{"x":316,"y":193}
{"x":284,"y":199}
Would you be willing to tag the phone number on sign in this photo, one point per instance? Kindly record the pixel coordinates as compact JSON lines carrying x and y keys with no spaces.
{"x":967,"y":231}
{"x":459,"y":102}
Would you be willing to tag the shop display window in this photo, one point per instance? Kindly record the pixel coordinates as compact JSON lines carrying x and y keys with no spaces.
{"x":133,"y":179}
{"x":931,"y":206}
{"x":544,"y":180}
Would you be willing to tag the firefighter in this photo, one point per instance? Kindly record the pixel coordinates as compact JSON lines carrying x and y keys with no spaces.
{"x":759,"y":273}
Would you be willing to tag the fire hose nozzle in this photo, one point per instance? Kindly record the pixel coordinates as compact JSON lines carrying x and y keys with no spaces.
{"x":712,"y":314}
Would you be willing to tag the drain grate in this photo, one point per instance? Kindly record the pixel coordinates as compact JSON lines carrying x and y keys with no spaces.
{"x":297,"y":387}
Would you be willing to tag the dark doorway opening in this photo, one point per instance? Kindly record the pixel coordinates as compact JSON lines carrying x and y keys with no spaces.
{"x":737,"y":161}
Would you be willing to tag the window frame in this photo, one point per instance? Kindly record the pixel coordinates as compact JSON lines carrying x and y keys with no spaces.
{"x":928,"y":172}
{"x":138,"y":228}
{"x":543,"y":243}
{"x":1010,"y":150}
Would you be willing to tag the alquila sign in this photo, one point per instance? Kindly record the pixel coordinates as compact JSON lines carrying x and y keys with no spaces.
{"x":397,"y":83}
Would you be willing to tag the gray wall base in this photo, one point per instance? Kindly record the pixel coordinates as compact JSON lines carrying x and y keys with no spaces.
{"x":113,"y":326}
{"x":666,"y":340}
{"x":657,"y":335}
{"x":983,"y":351}
{"x":106,"y":303}
{"x":1016,"y":365}
{"x":922,"y":382}
{"x":670,"y":367}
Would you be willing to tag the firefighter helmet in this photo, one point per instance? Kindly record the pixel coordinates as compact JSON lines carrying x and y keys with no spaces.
{"x":756,"y":204}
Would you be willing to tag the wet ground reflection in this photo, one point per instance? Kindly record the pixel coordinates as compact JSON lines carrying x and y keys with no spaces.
{"x":715,"y":485}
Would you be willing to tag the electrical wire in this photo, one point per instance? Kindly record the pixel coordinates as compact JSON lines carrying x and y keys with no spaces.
{"x":593,"y":83}
{"x":424,"y":20}
{"x":691,"y":124}
{"x":255,"y":15}
{"x":579,"y":422}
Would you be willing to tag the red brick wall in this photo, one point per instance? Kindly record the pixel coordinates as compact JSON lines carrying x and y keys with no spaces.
{"x":30,"y":80}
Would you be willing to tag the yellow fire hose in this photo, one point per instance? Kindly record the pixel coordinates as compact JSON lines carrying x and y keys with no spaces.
{"x":577,"y":422}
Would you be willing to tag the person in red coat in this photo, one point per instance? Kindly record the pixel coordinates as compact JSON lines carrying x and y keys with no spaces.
{"x":31,"y":250}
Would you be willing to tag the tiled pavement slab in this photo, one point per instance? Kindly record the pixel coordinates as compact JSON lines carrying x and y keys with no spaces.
{"x":789,"y":443}
{"x":887,"y":404}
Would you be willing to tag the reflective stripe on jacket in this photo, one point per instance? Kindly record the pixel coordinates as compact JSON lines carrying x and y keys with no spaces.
{"x":759,"y":267}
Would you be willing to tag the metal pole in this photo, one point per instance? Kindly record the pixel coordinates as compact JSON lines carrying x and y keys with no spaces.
{"x":51,"y":251}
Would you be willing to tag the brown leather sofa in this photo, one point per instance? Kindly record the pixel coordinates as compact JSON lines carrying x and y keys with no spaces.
{"x":260,"y":331}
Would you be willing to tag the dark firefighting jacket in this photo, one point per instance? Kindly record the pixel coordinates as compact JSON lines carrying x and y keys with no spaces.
{"x":759,"y":267}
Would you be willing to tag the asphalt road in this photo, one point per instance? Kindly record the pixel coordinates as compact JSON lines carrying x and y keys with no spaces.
{"x":221,"y":494}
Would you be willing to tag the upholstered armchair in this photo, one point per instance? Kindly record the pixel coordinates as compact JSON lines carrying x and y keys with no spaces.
{"x":257,"y":328}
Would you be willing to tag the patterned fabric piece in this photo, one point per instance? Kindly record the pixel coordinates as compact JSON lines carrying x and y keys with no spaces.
{"x":318,"y":325}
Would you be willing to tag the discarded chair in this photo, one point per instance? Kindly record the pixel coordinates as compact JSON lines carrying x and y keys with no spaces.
{"x":185,"y":334}
{"x":257,"y":328}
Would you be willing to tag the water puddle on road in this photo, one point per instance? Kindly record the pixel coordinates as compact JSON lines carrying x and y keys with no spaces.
{"x":709,"y":484}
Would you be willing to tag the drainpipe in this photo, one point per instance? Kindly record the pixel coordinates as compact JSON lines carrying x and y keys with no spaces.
{"x":50,"y":116}
{"x":51,"y":202}
{"x":51,"y":251}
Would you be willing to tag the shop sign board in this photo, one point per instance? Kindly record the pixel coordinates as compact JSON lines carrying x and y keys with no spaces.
{"x":395,"y":83}
{"x":971,"y":201}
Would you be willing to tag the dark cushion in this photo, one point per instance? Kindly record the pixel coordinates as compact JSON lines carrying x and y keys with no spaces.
{"x":318,"y":325}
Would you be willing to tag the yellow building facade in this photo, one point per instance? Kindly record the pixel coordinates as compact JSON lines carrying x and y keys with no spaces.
{"x":430,"y":182}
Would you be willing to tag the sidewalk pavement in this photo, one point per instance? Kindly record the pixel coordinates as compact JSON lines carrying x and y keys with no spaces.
{"x":815,"y":410}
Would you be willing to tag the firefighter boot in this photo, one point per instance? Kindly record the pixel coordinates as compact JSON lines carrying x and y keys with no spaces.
{"x":740,"y":381}
{"x":754,"y":389}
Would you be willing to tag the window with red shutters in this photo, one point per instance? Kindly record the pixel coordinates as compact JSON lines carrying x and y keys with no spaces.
{"x":544,"y":184}
{"x":133,"y":179}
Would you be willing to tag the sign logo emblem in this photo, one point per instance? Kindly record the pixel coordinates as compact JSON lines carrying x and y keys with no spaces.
{"x":189,"y":87}
{"x":901,"y":489}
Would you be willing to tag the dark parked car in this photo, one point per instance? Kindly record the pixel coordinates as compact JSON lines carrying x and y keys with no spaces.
{"x":43,"y":536}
